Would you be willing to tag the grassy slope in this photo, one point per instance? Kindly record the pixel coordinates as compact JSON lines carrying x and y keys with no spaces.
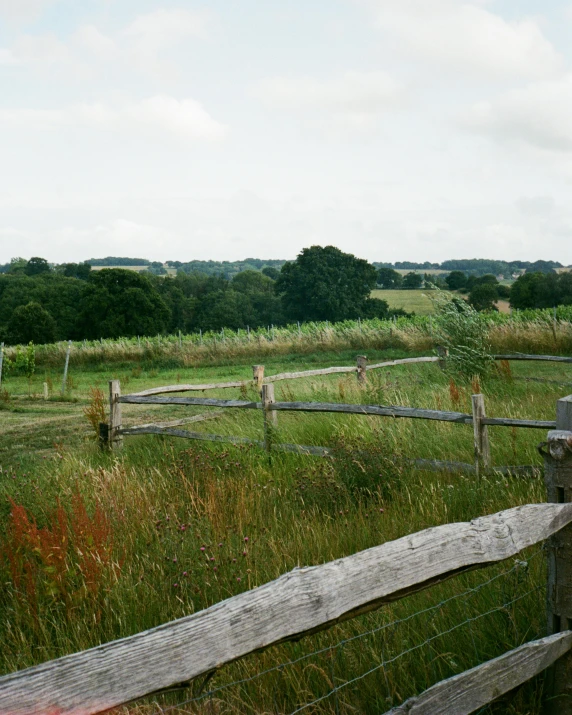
{"x":294,"y":511}
{"x":413,"y":301}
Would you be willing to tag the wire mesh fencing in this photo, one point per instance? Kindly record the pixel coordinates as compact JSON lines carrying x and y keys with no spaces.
{"x":378,"y":660}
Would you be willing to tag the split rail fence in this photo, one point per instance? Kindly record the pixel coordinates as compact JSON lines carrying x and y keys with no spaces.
{"x":312,"y":599}
{"x":114,"y":432}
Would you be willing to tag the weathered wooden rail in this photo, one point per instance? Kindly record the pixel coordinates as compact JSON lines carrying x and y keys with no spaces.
{"x":360,"y":368}
{"x":270,"y":407}
{"x":302,"y":602}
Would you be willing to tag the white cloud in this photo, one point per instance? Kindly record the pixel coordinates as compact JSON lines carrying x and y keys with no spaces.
{"x":537,"y":116}
{"x":186,"y":119}
{"x":465,"y":37}
{"x":23,"y":9}
{"x":40,"y":50}
{"x":7,"y":58}
{"x":353,"y":101}
{"x":156,"y":32}
{"x":88,"y":37}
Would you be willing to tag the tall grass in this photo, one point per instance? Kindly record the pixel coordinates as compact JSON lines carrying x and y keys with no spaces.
{"x":534,"y":331}
{"x":187,"y":526}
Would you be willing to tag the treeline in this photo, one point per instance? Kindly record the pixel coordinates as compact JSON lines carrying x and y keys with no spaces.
{"x":42,"y":303}
{"x":477,"y":266}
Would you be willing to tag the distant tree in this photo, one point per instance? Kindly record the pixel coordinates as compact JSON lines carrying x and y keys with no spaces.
{"x":412,"y":280}
{"x":271,"y":272}
{"x":503,"y":291}
{"x":388,"y":278}
{"x":122,"y":303}
{"x":456,"y":280}
{"x":541,"y":267}
{"x":76,"y":270}
{"x":31,"y":323}
{"x":325,"y":284}
{"x":36,"y":265}
{"x":483,"y":297}
{"x":17,"y":265}
{"x":252,"y":282}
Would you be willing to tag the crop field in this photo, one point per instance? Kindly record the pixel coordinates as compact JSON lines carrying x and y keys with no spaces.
{"x":412,"y":301}
{"x":96,"y":546}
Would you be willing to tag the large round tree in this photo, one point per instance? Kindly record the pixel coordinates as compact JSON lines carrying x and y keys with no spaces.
{"x":327,"y":284}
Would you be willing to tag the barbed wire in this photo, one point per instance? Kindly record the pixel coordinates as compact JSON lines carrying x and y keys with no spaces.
{"x":467,"y":593}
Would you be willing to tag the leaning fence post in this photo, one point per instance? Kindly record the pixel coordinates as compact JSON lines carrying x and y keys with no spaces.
{"x":558,"y":479}
{"x":270,"y":416}
{"x":258,"y":376}
{"x":481,"y":434}
{"x":361,"y":369}
{"x":65,"y":380}
{"x":115,"y":424}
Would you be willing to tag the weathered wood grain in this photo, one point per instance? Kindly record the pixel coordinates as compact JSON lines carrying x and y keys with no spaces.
{"x":463,"y":694}
{"x":201,"y":401}
{"x":308,"y":373}
{"x":188,"y":388}
{"x":404,"y":361}
{"x":509,"y":422}
{"x":549,"y":358}
{"x":480,"y":434}
{"x":384,"y":411}
{"x":114,"y":435}
{"x":303,"y":601}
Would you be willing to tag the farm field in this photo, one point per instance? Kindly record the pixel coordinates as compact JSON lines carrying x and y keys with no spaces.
{"x":180,"y":525}
{"x":412,"y":301}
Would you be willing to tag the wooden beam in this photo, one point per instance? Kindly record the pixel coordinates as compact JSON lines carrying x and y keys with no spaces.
{"x":481,"y":435}
{"x":465,"y":693}
{"x":509,"y":422}
{"x":549,"y":358}
{"x":383,"y":411}
{"x":201,"y":401}
{"x":404,"y":361}
{"x":301,"y":602}
{"x":187,"y":388}
{"x":308,"y":373}
{"x":185,"y":434}
{"x":114,"y":434}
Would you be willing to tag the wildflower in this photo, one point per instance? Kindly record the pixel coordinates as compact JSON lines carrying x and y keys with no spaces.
{"x":246,"y":539}
{"x":238,"y":578}
{"x":184,"y":573}
{"x":202,"y":548}
{"x":175,"y":585}
{"x":175,"y":560}
{"x":212,"y":558}
{"x":220,"y":544}
{"x":244,"y":553}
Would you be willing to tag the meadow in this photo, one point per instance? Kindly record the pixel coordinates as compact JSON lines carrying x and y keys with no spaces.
{"x":97,"y":545}
{"x":412,"y":301}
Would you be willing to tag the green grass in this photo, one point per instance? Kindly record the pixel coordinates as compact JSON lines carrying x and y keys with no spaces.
{"x":412,"y":301}
{"x":294,"y":510}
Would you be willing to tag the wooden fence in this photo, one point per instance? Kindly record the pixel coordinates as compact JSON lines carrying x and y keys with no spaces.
{"x":308,"y":600}
{"x":114,"y":433}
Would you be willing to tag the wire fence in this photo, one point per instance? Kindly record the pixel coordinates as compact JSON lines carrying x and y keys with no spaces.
{"x":379,"y":667}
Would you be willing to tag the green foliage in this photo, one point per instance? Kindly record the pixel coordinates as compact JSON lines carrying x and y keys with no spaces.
{"x":456,"y":280}
{"x":325,"y":284}
{"x":412,"y":281}
{"x":36,"y":266}
{"x":121,"y":303}
{"x":541,"y":290}
{"x":389,"y":279}
{"x":31,"y":322}
{"x":463,"y":331}
{"x":483,"y":297}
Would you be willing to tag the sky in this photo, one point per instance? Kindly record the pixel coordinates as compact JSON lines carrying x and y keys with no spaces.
{"x":394,"y":129}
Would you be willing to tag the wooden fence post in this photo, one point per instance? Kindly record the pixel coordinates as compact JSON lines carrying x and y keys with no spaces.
{"x":443,"y":354}
{"x":65,"y":380}
{"x":481,"y":434}
{"x":270,"y":416}
{"x":361,"y":369}
{"x":46,"y":391}
{"x":558,"y":478}
{"x":258,"y":376}
{"x":1,"y":361}
{"x":115,"y":424}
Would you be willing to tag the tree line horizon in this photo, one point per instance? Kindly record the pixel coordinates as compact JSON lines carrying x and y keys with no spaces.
{"x":42,"y":302}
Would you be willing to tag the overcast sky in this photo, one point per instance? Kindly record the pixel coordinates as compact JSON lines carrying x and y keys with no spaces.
{"x":393,"y":129}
